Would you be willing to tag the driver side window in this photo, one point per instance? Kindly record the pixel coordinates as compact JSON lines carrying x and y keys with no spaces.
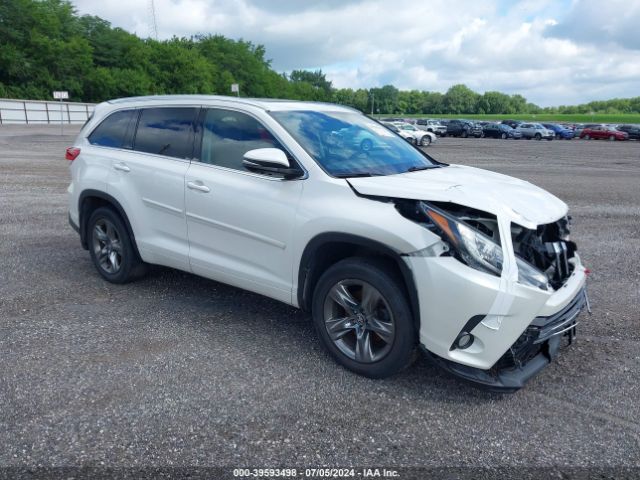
{"x":227,"y":135}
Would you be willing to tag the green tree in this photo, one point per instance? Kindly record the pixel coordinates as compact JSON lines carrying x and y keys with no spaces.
{"x":317,"y":80}
{"x":460,"y":99}
{"x":385,"y":99}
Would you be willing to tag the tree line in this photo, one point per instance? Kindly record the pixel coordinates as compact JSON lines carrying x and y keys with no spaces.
{"x":45,"y":46}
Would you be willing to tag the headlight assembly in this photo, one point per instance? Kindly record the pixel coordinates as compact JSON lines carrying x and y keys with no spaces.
{"x":477,"y":250}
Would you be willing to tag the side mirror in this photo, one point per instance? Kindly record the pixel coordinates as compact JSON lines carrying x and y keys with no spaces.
{"x":270,"y":161}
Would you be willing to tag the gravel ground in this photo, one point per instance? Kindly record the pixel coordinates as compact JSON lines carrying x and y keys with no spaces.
{"x":176,"y":370}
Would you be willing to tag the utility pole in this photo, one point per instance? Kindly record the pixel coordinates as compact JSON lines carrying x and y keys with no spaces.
{"x":153,"y":23}
{"x":373,"y":99}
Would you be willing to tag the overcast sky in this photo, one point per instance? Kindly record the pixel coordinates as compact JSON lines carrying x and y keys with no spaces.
{"x":551,"y":51}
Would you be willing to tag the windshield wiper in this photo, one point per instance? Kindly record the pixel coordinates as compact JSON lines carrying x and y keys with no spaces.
{"x":353,"y":175}
{"x":422,"y":167}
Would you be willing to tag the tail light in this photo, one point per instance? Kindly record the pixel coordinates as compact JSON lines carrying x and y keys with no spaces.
{"x":72,"y":153}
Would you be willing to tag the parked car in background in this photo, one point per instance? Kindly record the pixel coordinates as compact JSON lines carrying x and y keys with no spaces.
{"x":512,"y":123}
{"x":406,"y":135}
{"x":500,"y":130}
{"x":577,"y":129}
{"x":559,"y":130}
{"x":420,"y":137}
{"x":433,"y":126}
{"x":632,"y":130}
{"x":463,"y":128}
{"x":535,"y":130}
{"x":603,"y":132}
{"x":358,"y":138}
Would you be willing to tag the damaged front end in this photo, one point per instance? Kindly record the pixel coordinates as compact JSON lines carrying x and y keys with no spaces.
{"x":538,"y":290}
{"x":538,"y":345}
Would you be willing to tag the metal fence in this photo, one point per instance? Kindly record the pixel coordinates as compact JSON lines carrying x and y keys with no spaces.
{"x":43,"y":112}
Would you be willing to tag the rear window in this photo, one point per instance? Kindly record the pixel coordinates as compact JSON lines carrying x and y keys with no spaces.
{"x":166,"y":131}
{"x":113,"y":130}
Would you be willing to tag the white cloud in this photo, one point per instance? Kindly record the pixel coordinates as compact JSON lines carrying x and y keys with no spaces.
{"x":551,"y":52}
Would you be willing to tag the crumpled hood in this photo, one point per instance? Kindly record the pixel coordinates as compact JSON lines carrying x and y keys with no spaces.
{"x":520,"y":201}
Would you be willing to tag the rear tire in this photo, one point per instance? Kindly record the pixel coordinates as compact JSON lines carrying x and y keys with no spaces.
{"x":111,"y":247}
{"x":362,"y":316}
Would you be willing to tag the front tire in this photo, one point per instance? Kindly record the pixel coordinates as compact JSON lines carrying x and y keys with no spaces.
{"x":425,"y":141}
{"x":111,"y":247}
{"x":612,"y":138}
{"x":538,"y":136}
{"x":362,"y":316}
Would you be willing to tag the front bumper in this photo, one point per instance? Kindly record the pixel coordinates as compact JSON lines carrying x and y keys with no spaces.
{"x":538,"y":346}
{"x":454,"y":298}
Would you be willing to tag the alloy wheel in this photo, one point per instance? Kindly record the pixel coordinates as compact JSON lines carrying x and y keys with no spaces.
{"x":359,"y":321}
{"x":107,"y":246}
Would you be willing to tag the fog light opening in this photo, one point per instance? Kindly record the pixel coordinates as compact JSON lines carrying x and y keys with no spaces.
{"x":464,"y":340}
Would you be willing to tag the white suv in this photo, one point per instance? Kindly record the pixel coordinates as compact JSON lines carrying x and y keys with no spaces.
{"x":389,"y":249}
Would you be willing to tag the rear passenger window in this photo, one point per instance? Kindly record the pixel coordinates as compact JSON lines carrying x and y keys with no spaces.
{"x":113,"y":130}
{"x":228,"y":135}
{"x":166,"y":131}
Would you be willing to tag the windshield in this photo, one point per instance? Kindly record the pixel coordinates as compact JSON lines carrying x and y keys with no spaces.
{"x":350,"y":144}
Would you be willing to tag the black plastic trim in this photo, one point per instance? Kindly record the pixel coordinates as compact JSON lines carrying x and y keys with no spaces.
{"x":505,"y":382}
{"x":470,"y":325}
{"x":73,"y":225}
{"x":508,"y":380}
{"x":84,"y":217}
{"x":304,"y":293}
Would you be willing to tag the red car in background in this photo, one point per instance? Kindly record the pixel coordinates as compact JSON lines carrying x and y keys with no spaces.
{"x":603,"y":132}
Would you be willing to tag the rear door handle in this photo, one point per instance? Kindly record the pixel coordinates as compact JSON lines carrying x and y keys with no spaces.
{"x":122,"y":167}
{"x":198,"y":186}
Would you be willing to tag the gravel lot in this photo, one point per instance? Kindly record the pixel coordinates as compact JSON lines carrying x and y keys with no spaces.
{"x":176,"y":370}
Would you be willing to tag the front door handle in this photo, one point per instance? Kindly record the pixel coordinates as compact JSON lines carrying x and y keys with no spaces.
{"x":198,"y":186}
{"x":122,"y":167}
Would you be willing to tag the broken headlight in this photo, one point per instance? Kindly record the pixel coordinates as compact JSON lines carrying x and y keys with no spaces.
{"x":473,"y":247}
{"x":478,"y":250}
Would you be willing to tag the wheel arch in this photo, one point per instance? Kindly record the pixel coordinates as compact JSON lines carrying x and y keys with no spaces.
{"x":326,"y":249}
{"x":90,"y":200}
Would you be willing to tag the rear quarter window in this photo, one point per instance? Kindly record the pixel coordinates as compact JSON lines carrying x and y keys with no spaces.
{"x":166,"y":131}
{"x":112,"y":131}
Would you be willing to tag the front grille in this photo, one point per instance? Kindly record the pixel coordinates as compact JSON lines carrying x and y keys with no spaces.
{"x":547,"y":249}
{"x":523,"y":350}
{"x":534,"y":340}
{"x":559,"y":269}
